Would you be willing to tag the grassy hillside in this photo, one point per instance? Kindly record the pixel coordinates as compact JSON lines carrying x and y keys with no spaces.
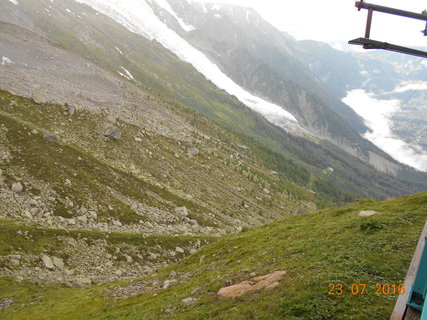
{"x":316,"y":249}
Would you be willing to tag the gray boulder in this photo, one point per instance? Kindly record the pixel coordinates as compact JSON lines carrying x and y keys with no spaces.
{"x":193,"y":151}
{"x":51,"y":138}
{"x":48,"y":263}
{"x":17,"y":187}
{"x":113,"y":133}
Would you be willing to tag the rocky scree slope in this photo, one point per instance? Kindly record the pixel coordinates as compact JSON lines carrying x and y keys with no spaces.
{"x":69,"y":177}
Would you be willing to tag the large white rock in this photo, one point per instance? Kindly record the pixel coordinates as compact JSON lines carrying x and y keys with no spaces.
{"x":179,"y":250}
{"x":48,"y":263}
{"x":367,"y":213}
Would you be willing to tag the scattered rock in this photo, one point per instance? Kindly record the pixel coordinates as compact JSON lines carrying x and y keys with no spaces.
{"x":84,"y":281}
{"x":70,"y":273}
{"x":82,"y":219}
{"x":189,"y":301}
{"x":202,"y":258}
{"x":93,"y":215}
{"x":196,"y":290}
{"x":268,"y":281}
{"x":137,"y":139}
{"x":34,"y":131}
{"x":59,"y":263}
{"x":193,"y":222}
{"x":5,"y":303}
{"x":113,"y":133}
{"x":117,"y":223}
{"x":128,"y":258}
{"x":182,"y":211}
{"x":17,"y":187}
{"x":38,"y":99}
{"x":34,"y":211}
{"x":51,"y":138}
{"x":266,"y":191}
{"x":193,"y":151}
{"x":27,"y":214}
{"x":67,"y":182}
{"x":168,"y":283}
{"x":367,"y":213}
{"x":15,"y":260}
{"x":71,"y":221}
{"x":71,"y":110}
{"x":111,"y":119}
{"x":48,"y":263}
{"x":179,"y":250}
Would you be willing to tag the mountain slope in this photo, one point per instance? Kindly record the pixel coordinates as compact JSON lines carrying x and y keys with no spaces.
{"x":315,"y":249}
{"x":159,"y":73}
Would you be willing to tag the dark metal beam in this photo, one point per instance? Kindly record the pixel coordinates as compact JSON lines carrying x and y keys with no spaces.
{"x":402,"y":13}
{"x":369,"y":23}
{"x":372,"y":44}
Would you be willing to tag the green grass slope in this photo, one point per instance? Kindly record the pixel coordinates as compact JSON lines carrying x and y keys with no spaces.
{"x":319,"y":248}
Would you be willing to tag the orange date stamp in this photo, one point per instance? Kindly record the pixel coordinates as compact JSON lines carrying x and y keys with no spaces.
{"x":364,"y":289}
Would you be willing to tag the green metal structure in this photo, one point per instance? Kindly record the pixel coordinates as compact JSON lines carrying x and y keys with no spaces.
{"x":418,"y":296}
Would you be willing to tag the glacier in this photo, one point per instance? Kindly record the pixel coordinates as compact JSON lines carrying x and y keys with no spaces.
{"x":138,"y":17}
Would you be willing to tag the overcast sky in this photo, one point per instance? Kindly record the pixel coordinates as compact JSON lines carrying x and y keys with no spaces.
{"x":330,"y":20}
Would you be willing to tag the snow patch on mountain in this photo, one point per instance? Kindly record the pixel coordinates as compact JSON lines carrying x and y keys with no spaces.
{"x":165,"y":5}
{"x":118,"y":50}
{"x":377,"y":115}
{"x":6,"y":61}
{"x":128,"y":74}
{"x":138,"y":17}
{"x":14,"y":2}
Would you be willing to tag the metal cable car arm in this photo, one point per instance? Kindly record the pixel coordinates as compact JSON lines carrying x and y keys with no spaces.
{"x":368,"y":43}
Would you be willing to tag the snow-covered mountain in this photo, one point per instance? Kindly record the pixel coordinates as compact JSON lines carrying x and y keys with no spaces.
{"x":267,"y":62}
{"x":138,"y":17}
